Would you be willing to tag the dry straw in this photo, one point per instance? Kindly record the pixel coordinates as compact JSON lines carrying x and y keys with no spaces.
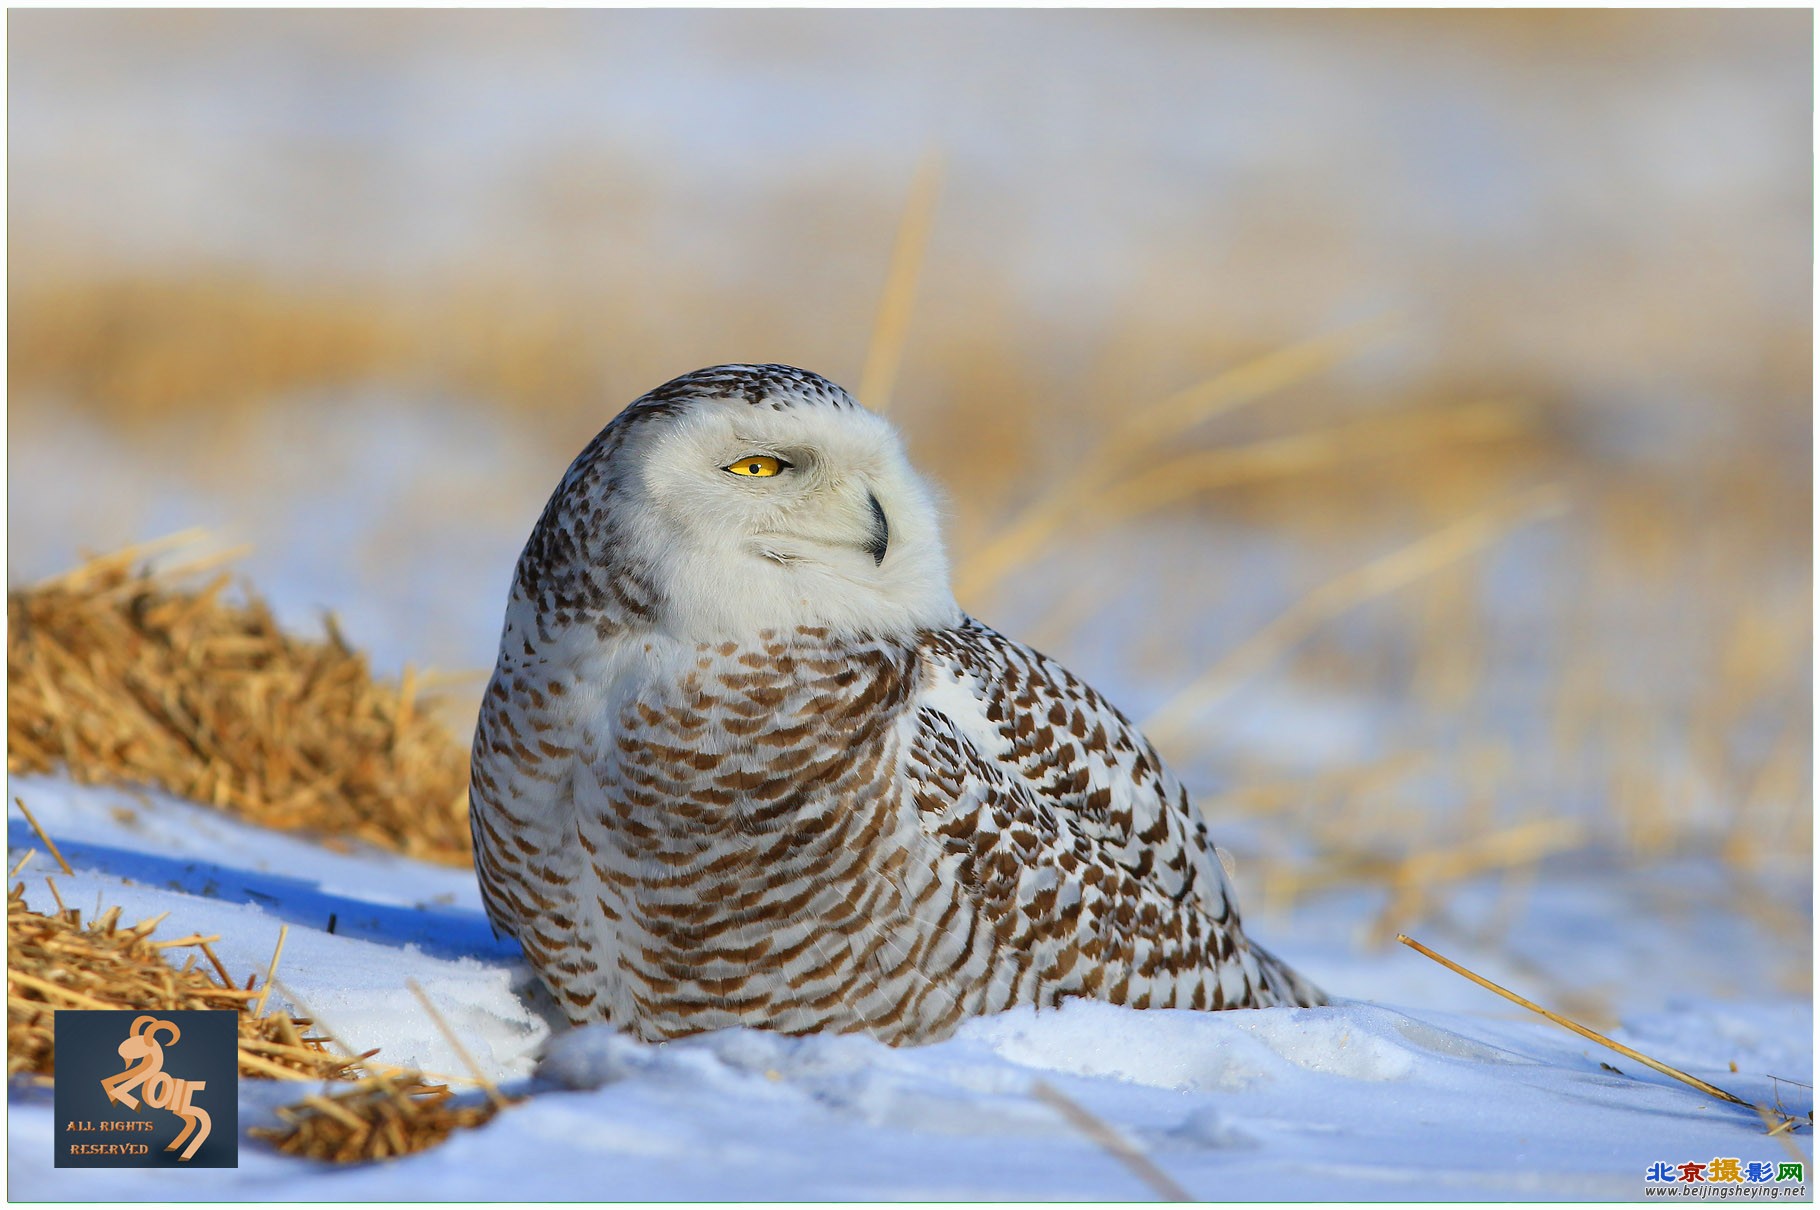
{"x":1468,"y":536}
{"x":1777,"y":1122}
{"x":1122,"y":466}
{"x":131,"y":676}
{"x":1103,"y":1136}
{"x":54,"y":961}
{"x":891,"y":328}
{"x":381,"y":1117}
{"x":387,"y":1114}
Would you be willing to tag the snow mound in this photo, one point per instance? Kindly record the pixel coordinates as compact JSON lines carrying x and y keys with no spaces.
{"x":1196,"y":1051}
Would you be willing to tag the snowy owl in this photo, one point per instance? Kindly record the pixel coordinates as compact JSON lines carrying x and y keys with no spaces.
{"x":744,"y":761}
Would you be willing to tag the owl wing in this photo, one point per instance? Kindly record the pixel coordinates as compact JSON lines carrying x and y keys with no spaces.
{"x":1064,"y":820}
{"x":1007,"y":738}
{"x":521,"y":804}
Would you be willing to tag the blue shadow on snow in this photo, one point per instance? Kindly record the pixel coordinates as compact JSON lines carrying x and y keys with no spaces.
{"x":445,"y":932}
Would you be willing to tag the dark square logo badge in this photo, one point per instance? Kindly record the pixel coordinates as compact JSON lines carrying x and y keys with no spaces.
{"x":147,"y":1089}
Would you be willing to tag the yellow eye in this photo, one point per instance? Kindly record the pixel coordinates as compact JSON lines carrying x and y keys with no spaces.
{"x":758,"y":466}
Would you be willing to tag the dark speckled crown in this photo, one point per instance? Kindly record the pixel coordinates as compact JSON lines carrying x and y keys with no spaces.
{"x":774,"y":386}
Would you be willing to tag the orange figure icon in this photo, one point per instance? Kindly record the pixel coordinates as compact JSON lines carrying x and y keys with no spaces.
{"x":145,"y":1065}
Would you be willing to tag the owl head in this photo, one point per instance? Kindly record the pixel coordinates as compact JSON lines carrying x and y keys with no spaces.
{"x":739,"y":499}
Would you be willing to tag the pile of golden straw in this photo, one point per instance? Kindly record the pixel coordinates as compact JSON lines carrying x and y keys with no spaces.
{"x":131,"y":677}
{"x":379,"y":1118}
{"x":56,"y":962}
{"x":135,"y":677}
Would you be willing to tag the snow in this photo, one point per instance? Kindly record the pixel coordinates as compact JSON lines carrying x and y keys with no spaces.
{"x":1435,"y":1090}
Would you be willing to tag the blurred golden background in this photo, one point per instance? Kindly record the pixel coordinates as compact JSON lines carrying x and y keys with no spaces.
{"x":1407,"y":415}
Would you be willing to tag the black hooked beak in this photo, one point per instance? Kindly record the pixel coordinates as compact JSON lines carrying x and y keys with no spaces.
{"x":881,"y":531}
